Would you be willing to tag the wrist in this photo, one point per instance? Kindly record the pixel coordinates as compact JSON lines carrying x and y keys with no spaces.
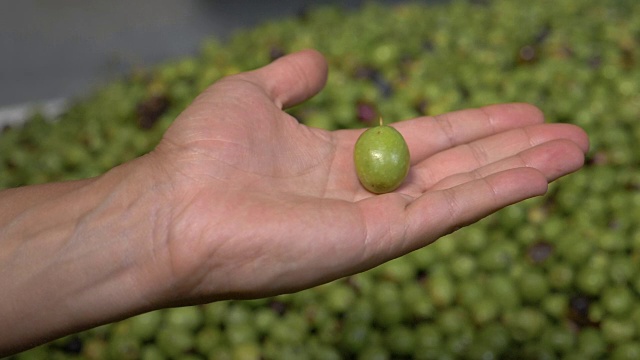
{"x":80,"y":255}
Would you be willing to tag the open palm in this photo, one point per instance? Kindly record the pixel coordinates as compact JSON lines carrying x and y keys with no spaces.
{"x":262,"y":205}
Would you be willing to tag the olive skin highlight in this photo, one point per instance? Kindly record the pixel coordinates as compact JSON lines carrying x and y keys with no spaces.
{"x":381,"y":158}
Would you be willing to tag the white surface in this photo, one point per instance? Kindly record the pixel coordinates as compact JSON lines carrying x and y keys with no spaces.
{"x":16,"y":114}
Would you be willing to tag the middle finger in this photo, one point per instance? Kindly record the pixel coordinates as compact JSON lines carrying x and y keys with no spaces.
{"x":466,"y":158}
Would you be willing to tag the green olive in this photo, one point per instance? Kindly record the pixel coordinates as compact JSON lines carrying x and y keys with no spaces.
{"x":381,"y":157}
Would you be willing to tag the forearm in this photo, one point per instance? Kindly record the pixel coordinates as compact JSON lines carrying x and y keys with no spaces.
{"x":72,"y":256}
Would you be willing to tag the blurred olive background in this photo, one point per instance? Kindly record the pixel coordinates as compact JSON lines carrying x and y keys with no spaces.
{"x":555,"y":277}
{"x":56,"y":49}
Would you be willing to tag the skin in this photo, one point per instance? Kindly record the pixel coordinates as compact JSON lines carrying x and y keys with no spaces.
{"x":240,"y":201}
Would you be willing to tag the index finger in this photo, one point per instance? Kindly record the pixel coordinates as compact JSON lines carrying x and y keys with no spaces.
{"x":426,"y":136}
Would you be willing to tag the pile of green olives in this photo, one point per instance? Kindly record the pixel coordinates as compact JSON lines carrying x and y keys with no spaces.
{"x":552,"y":277}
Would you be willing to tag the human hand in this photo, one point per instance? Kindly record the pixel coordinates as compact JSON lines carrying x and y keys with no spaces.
{"x":239,"y":200}
{"x":256,"y":204}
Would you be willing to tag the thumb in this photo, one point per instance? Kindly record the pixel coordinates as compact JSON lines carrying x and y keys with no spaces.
{"x":292,"y":78}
